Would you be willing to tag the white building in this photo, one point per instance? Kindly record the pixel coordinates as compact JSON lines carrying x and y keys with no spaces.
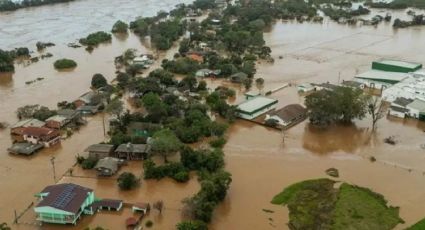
{"x":413,"y":87}
{"x":380,"y":79}
{"x":255,"y":107}
{"x":416,"y":108}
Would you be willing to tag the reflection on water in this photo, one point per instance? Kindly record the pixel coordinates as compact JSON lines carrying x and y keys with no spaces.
{"x":6,"y":80}
{"x":345,"y":138}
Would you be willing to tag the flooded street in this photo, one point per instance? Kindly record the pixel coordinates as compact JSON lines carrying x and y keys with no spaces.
{"x":261,"y":163}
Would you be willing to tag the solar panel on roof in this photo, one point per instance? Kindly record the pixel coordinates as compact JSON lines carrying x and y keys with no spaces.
{"x":65,"y":197}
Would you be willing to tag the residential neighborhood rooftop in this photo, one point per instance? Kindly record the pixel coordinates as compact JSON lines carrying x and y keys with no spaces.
{"x":132,"y":148}
{"x":25,"y":148}
{"x":290,"y":112}
{"x":29,"y":123}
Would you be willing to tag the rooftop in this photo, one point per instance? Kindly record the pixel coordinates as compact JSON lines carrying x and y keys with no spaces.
{"x":290,"y":112}
{"x":418,"y":104}
{"x":411,"y":65}
{"x":99,"y":148}
{"x":24,"y":148}
{"x":39,"y":131}
{"x":402,"y":101}
{"x":67,"y":197}
{"x":108,"y":163}
{"x":378,"y":75}
{"x":256,"y":103}
{"x":29,"y":123}
{"x":132,"y":148}
{"x":57,"y":118}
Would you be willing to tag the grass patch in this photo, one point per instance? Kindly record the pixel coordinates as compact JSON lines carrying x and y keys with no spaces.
{"x":291,"y":191}
{"x":316,"y":204}
{"x":360,"y":208}
{"x":418,"y":226}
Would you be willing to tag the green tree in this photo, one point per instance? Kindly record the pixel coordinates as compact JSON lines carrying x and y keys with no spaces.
{"x":98,"y":81}
{"x":127,"y":181}
{"x":64,"y":64}
{"x":192,"y":225}
{"x":165,"y":143}
{"x":115,"y":107}
{"x":6,"y":62}
{"x":120,"y":27}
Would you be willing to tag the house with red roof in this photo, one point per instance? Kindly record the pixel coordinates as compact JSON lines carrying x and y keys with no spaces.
{"x":41,"y":135}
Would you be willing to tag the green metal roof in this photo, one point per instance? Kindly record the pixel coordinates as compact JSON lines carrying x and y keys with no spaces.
{"x":255,"y":104}
{"x":405,"y":64}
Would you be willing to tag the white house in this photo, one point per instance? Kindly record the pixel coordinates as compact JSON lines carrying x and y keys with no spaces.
{"x":416,"y":108}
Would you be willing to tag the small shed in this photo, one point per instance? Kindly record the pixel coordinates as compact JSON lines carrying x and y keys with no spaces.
{"x":141,"y":207}
{"x":396,"y":66}
{"x":251,"y":94}
{"x":203,"y":73}
{"x":107,"y":204}
{"x":99,"y":151}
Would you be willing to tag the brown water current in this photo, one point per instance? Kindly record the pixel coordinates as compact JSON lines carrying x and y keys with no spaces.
{"x":262,"y":163}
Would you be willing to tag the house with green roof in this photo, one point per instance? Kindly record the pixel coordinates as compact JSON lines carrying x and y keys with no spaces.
{"x":396,"y":66}
{"x":255,"y":107}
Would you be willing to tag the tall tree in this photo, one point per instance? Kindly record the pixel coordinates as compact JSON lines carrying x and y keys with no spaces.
{"x":376,"y":109}
{"x":165,"y":143}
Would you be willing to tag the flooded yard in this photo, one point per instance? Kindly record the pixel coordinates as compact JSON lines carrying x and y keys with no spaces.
{"x":262,"y":161}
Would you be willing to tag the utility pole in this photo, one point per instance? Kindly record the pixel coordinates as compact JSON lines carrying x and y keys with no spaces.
{"x":52,"y":160}
{"x":339,"y":77}
{"x":103,"y":122}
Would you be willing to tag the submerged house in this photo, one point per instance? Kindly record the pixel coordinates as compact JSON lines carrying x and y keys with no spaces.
{"x":108,"y":166}
{"x":288,"y":116}
{"x":398,"y":107}
{"x":99,"y":151}
{"x":18,"y":128}
{"x":132,"y":151}
{"x":25,"y":148}
{"x":90,"y":99}
{"x":43,"y":135}
{"x":255,"y":107}
{"x":57,"y":122}
{"x":63,"y":203}
{"x":238,"y":77}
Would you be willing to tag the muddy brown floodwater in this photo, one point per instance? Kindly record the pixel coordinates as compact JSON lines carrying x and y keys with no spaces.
{"x":261,"y":163}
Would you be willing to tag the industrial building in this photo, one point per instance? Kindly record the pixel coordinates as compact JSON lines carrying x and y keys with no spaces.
{"x":396,"y":66}
{"x":380,"y":79}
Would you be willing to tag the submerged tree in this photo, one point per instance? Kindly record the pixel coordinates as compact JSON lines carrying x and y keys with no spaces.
{"x":376,"y":109}
{"x":165,"y":143}
{"x":127,"y":181}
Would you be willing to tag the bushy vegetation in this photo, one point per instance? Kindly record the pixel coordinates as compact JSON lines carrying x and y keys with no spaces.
{"x":119,"y":27}
{"x":192,"y":225}
{"x":88,"y":163}
{"x":6,"y":61}
{"x":64,"y":64}
{"x":397,"y":4}
{"x":98,"y":81}
{"x":173,"y":170}
{"x":418,"y":226}
{"x":164,"y":33}
{"x":341,"y":104}
{"x":96,"y":38}
{"x":9,"y":5}
{"x":127,"y":181}
{"x":34,"y":111}
{"x":201,"y":160}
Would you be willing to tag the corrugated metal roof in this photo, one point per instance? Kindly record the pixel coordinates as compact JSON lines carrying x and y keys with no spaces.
{"x":405,"y":64}
{"x":255,"y":104}
{"x":418,"y":105}
{"x":382,"y":76}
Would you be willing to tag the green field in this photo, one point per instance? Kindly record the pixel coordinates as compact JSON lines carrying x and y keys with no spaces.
{"x":418,"y":226}
{"x":318,"y":204}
